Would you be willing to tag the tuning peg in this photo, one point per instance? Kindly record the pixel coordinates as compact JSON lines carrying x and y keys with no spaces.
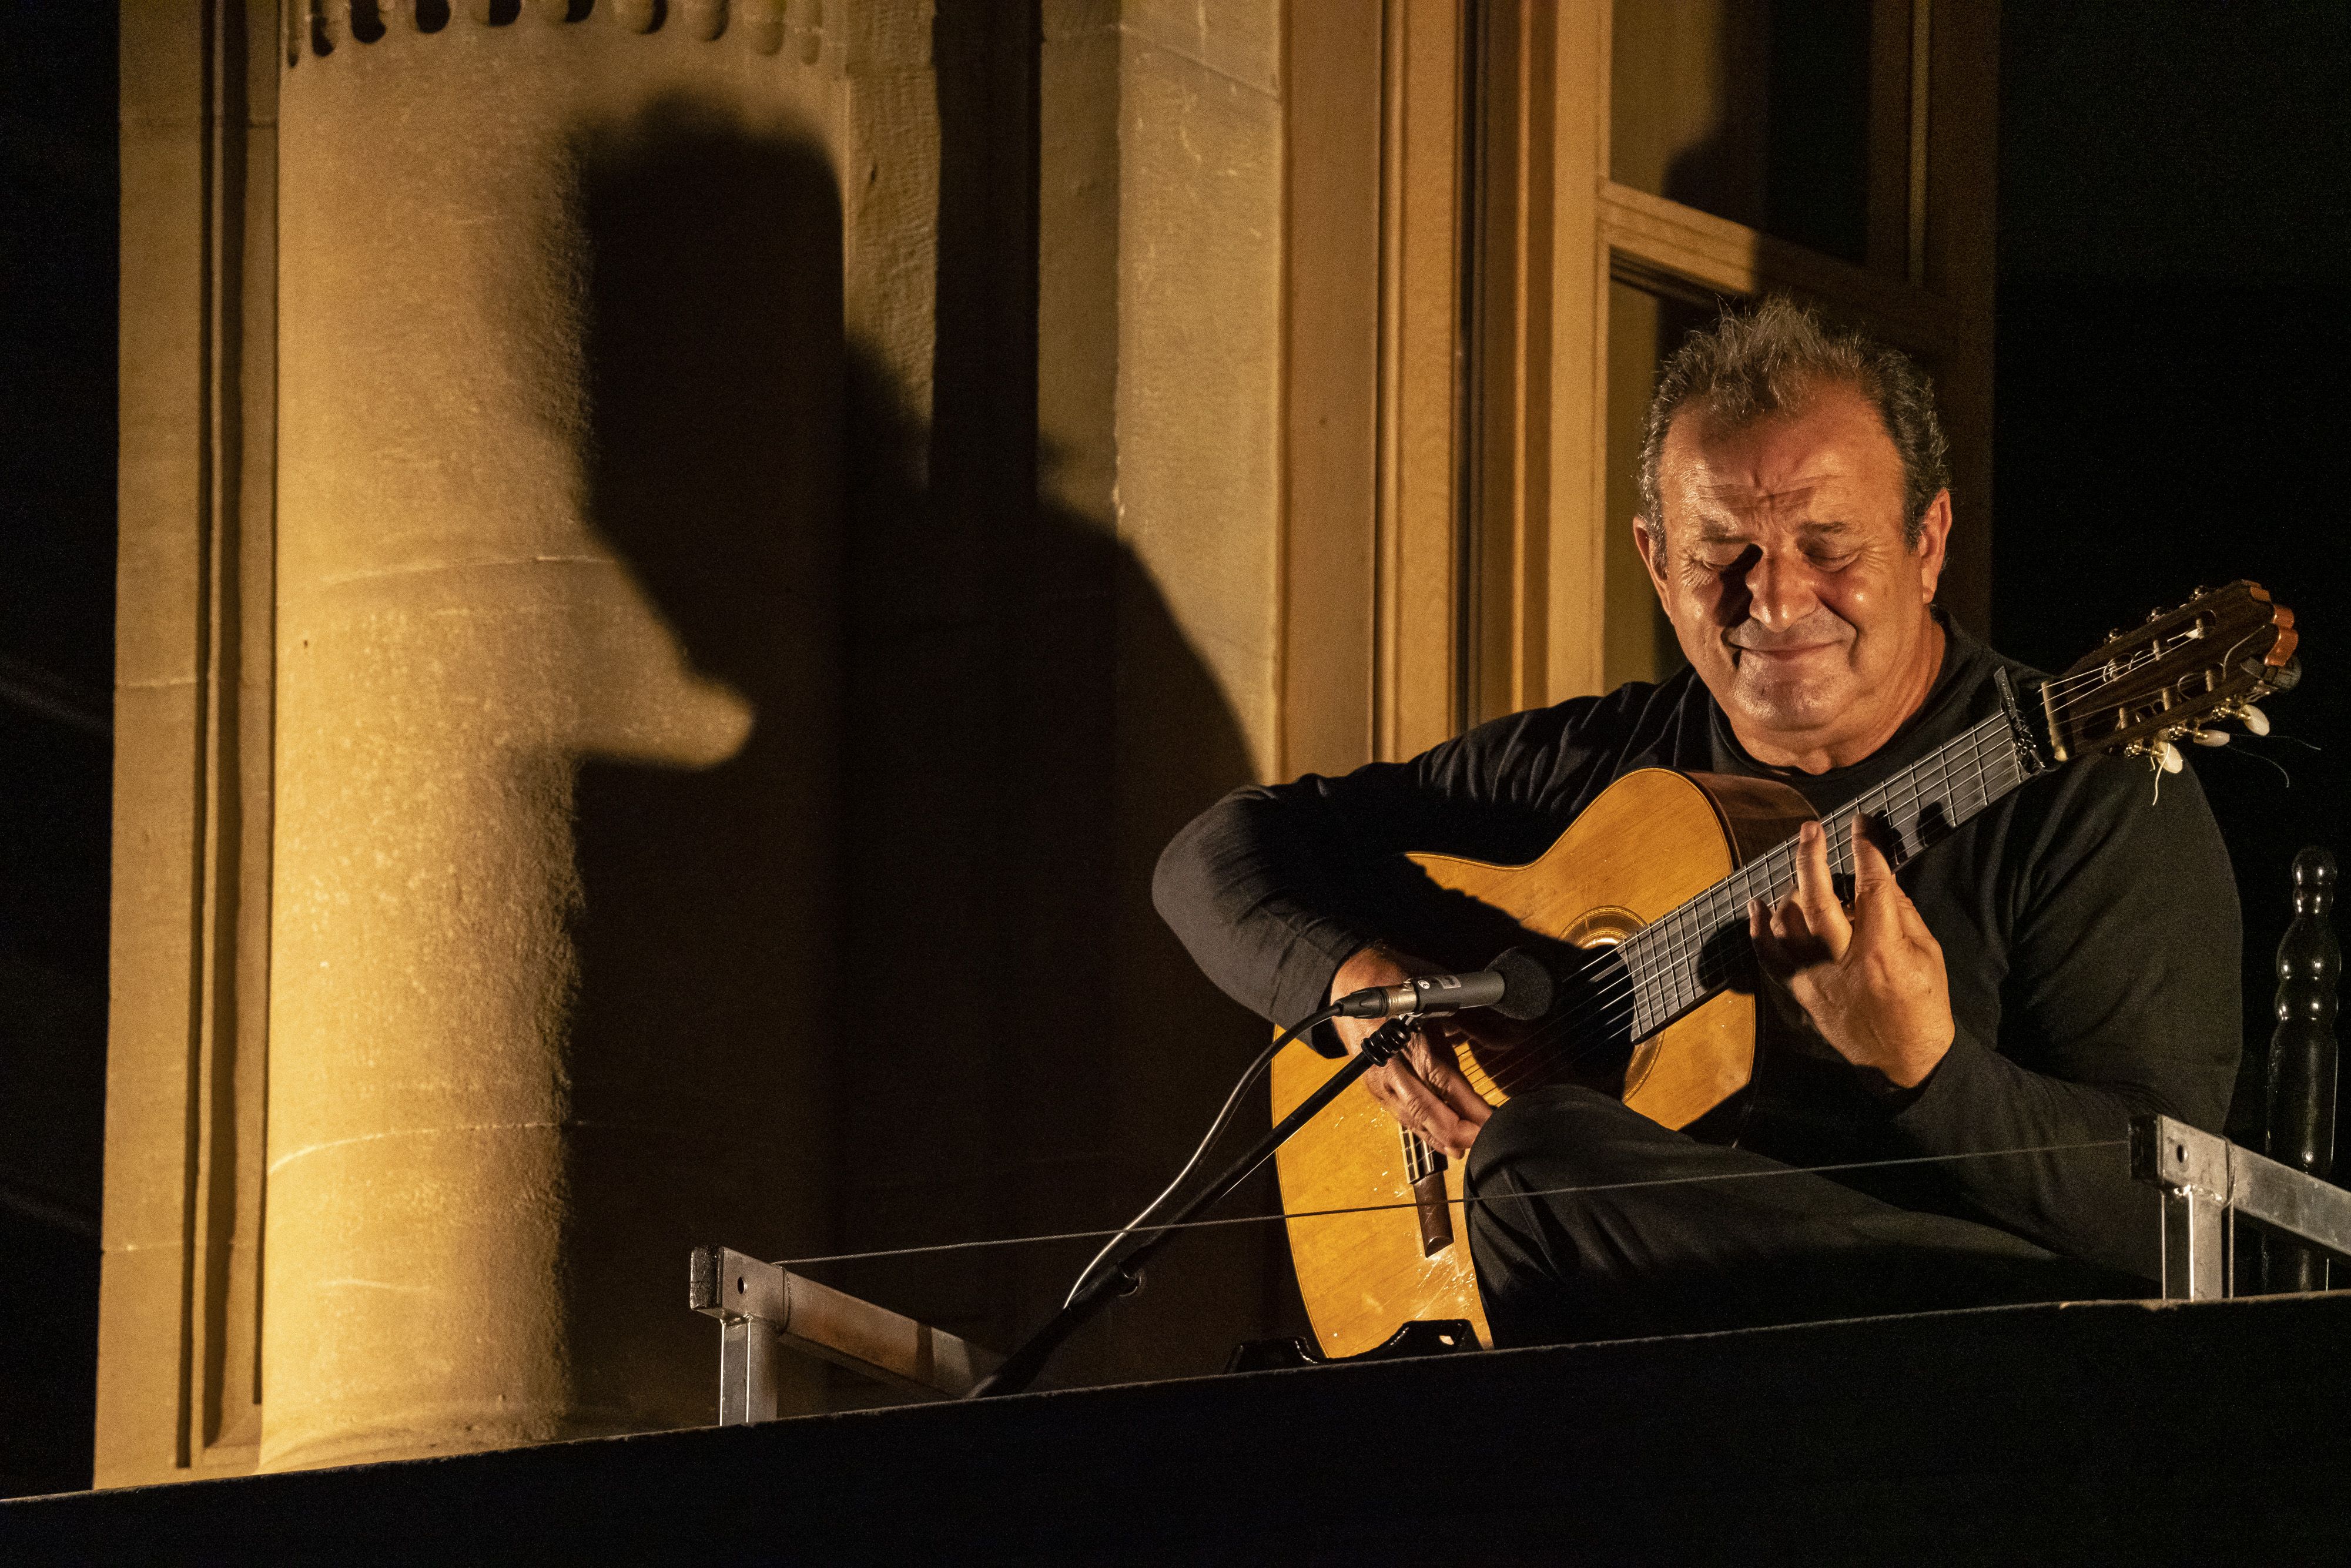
{"x":2167,"y":757}
{"x":2208,"y":737}
{"x":2256,"y":721}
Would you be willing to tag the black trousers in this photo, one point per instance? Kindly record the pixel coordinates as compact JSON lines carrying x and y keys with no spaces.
{"x":1776,"y":1245}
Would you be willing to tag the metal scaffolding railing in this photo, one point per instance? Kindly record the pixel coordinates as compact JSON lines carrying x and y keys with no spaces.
{"x":2210,"y":1183}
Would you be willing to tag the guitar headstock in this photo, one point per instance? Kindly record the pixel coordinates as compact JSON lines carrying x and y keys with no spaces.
{"x":2174,"y":676}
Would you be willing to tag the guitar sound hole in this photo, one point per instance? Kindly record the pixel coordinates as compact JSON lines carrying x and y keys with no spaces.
{"x":1604,"y":926}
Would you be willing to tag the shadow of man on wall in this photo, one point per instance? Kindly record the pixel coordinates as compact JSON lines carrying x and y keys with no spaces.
{"x":859,"y":985}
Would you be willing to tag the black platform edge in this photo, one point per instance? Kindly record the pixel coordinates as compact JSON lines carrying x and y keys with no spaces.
{"x":2108,"y":1431}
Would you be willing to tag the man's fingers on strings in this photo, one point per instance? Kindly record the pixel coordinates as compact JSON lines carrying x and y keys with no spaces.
{"x":1453,"y":1086}
{"x":1424,"y":1089}
{"x":1790,"y":924}
{"x":1404,"y":1088}
{"x":1772,"y":953}
{"x":1882,"y":910}
{"x":1870,"y":866}
{"x":1431,"y":1059}
{"x":1395,"y":1100}
{"x":1419,"y":1109}
{"x":1816,"y":891}
{"x":1396,"y":1086}
{"x":1798,"y":944}
{"x":1876,"y":896}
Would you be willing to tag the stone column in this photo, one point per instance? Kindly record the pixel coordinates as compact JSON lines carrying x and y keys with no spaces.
{"x":498,"y":533}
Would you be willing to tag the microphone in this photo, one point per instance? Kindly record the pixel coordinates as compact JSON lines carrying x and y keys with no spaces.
{"x":1517,"y":985}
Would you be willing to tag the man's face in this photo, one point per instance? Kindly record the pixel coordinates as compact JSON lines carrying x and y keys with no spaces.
{"x":1783,"y":569}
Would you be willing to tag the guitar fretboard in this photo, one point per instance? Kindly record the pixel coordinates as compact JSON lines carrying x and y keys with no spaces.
{"x":1679,"y":961}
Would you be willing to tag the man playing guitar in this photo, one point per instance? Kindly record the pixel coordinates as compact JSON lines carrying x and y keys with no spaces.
{"x":2061,"y":962}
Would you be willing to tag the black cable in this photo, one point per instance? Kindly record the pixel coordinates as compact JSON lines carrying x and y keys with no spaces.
{"x":1020,"y":1368}
{"x":1215,"y":1130}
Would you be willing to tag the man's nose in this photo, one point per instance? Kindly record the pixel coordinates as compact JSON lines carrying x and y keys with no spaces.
{"x":1780,"y":590}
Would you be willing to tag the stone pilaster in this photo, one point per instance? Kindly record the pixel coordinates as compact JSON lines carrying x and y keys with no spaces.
{"x":479,"y":572}
{"x":539,"y":670}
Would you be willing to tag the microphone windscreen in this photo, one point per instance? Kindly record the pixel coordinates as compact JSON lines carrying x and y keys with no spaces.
{"x":1527,"y":990}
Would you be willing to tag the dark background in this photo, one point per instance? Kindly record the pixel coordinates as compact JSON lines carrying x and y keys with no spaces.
{"x":2171,"y":364}
{"x":57,"y":194}
{"x":2171,"y":350}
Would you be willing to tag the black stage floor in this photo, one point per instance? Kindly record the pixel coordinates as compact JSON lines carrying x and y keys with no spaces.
{"x":2153,"y":1433}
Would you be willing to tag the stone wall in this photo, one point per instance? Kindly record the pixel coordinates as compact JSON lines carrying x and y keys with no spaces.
{"x":750,"y":523}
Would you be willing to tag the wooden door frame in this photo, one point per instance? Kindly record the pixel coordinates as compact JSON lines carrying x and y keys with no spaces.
{"x":1449,"y":251}
{"x":1929,"y":284}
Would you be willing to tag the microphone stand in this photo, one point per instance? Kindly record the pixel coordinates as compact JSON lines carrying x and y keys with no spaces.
{"x":1115,"y":1276}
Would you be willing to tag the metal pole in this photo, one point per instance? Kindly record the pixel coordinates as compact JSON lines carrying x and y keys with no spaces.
{"x":2195,"y":1246}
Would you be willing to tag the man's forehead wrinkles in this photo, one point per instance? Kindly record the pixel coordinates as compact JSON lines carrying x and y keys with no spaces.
{"x":1717,"y":527}
{"x":1747,"y":490}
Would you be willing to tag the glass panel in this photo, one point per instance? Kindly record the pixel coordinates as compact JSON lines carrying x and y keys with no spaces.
{"x":1643,"y":329}
{"x":1761,"y":113}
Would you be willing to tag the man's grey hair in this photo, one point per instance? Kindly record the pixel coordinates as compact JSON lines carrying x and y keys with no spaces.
{"x":1773,"y":359}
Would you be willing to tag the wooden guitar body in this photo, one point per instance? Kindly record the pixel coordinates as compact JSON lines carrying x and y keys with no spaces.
{"x":1649,"y":887}
{"x":1651,"y":841}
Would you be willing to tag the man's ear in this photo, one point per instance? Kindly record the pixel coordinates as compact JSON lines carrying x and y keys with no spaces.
{"x":1650,"y":540}
{"x":1934,"y":539}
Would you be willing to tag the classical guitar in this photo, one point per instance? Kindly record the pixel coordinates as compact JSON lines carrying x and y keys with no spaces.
{"x":1644,"y":898}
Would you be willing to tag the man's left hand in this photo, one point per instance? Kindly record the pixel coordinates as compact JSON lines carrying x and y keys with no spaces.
{"x":1872,"y":981}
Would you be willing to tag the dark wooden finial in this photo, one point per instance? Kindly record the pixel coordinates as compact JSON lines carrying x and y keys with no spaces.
{"x":2301,"y":1125}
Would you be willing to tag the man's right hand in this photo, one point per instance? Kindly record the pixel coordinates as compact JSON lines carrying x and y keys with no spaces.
{"x":1422,"y":1086}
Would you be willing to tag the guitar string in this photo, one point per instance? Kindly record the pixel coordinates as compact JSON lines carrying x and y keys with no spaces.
{"x":2103,"y":675}
{"x":2062,"y":689}
{"x":2155,"y":652}
{"x":1686,"y":931}
{"x":1683,"y":937}
{"x":1900,"y":803}
{"x":1680,"y":979}
{"x":1602,"y":1005}
{"x":1537,"y":1062}
{"x":990,"y":1242}
{"x":1605,"y":1007}
{"x":1684,"y":948}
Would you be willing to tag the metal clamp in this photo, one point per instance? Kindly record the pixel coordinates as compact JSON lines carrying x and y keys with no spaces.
{"x":2208,"y":1182}
{"x":761,"y":1307}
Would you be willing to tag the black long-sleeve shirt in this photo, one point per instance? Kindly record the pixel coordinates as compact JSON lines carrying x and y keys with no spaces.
{"x":2088,"y":923}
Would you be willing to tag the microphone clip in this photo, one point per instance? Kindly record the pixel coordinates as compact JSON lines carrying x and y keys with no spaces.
{"x":1388,"y":1040}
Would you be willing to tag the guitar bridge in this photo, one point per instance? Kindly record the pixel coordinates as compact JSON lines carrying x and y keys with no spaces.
{"x":1424,"y":1170}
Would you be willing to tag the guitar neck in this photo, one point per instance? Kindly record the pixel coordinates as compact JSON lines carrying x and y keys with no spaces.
{"x":1685,"y":957}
